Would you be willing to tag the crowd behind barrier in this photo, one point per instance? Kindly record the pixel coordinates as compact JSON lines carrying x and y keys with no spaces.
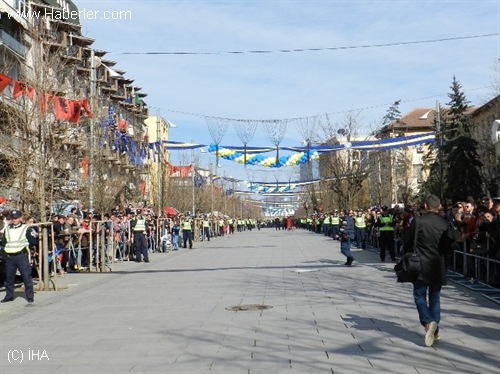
{"x":476,"y":254}
{"x":86,"y":241}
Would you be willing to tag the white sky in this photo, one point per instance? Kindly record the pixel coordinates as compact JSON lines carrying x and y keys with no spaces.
{"x":301,"y":84}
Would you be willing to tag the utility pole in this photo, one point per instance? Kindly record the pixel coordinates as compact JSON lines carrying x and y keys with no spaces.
{"x":192,"y":180}
{"x":439,"y":144}
{"x":160,"y":147}
{"x":211,"y":189}
{"x":93,"y":78}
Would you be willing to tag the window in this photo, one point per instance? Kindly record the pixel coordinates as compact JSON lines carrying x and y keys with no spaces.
{"x":21,"y":5}
{"x":417,"y":171}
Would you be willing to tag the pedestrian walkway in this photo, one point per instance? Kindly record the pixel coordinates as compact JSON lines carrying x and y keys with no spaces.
{"x":298,"y":310}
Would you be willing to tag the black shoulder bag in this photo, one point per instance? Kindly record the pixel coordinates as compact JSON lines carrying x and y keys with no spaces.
{"x":408,"y":267}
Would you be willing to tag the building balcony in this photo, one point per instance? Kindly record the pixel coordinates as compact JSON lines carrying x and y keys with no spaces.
{"x":71,"y":52}
{"x":54,"y":38}
{"x":12,"y":44}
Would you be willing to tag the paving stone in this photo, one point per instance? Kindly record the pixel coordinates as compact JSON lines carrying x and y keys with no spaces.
{"x":170,"y":316}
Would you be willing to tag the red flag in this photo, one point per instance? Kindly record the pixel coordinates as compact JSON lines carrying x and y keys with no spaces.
{"x":185,"y":170}
{"x":75,"y":110}
{"x":84,"y":164}
{"x":86,"y":107}
{"x":43,"y":102}
{"x":122,"y":126}
{"x":29,"y":91}
{"x":4,"y":82}
{"x":62,"y":108}
{"x":142,"y":188}
{"x":20,"y":89}
{"x":182,"y":170}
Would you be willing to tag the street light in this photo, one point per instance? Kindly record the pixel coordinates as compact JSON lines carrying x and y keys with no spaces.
{"x":439,"y":145}
{"x":160,"y":147}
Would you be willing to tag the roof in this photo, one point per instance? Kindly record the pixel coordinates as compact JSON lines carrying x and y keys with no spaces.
{"x":495,"y":102}
{"x":417,"y":118}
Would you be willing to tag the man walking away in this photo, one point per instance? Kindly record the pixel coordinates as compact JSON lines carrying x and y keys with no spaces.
{"x":434,"y":241}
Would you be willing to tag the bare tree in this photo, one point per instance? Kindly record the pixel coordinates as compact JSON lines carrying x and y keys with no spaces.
{"x":348,"y":168}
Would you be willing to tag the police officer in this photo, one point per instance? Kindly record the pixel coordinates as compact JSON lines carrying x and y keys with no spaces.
{"x":206,"y":228}
{"x":335,"y":222}
{"x":187,"y":229}
{"x":138,"y":226}
{"x":326,"y":225}
{"x":385,"y":224}
{"x":17,"y":240}
{"x":360,"y":225}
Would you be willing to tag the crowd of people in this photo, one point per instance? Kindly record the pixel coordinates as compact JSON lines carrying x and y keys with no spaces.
{"x":75,"y":240}
{"x":131,"y":234}
{"x":477,"y":224}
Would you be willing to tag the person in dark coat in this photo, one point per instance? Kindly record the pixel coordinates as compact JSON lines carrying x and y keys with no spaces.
{"x":345,"y":235}
{"x":435,"y":238}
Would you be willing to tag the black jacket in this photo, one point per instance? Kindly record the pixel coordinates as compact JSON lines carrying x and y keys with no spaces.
{"x":435,"y":238}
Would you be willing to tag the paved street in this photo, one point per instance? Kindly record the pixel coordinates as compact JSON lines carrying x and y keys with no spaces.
{"x":170,"y":316}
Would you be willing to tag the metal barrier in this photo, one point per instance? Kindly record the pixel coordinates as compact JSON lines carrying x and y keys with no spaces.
{"x":474,"y":260}
{"x":95,"y":248}
{"x":40,"y":259}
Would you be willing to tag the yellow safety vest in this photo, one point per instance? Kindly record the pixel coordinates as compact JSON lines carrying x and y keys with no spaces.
{"x":384,"y":220}
{"x":140,"y":225}
{"x":186,"y":225}
{"x":16,"y":239}
{"x":359,"y":222}
{"x":335,"y":221}
{"x":206,"y":223}
{"x":327,"y":221}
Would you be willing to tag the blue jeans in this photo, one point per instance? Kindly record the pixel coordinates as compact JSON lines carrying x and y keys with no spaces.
{"x":427,"y":312}
{"x":345,"y":248}
{"x":175,"y":242}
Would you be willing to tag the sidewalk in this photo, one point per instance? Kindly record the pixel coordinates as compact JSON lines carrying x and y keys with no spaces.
{"x":171,"y":316}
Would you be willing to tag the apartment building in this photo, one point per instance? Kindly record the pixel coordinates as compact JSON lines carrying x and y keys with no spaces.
{"x":72,"y":123}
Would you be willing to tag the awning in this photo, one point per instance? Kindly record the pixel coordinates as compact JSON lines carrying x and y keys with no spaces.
{"x":170,"y":211}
